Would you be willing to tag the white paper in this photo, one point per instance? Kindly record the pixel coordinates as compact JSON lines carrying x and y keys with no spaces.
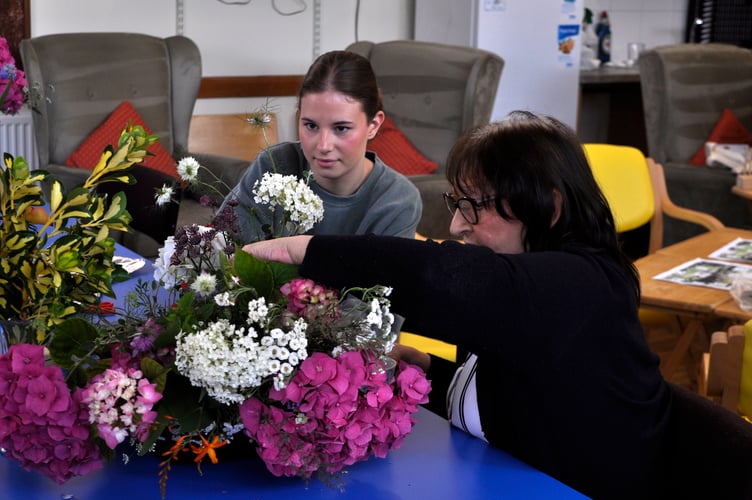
{"x":739,"y":250}
{"x":705,"y":272}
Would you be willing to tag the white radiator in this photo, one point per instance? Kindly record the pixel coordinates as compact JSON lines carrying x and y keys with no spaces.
{"x":17,"y":137}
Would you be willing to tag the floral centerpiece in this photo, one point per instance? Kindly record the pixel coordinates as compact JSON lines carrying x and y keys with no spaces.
{"x":219,"y":348}
{"x":13,"y":86}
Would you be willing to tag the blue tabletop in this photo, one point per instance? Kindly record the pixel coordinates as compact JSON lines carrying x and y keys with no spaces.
{"x":435,"y":461}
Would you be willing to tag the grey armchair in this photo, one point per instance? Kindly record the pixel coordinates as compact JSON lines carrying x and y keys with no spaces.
{"x":684,"y":90}
{"x":78,"y":79}
{"x":434,"y":92}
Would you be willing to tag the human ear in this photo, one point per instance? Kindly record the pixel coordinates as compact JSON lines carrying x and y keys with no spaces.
{"x":375,"y":124}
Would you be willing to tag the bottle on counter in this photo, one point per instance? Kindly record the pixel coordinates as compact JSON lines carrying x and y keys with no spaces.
{"x":603,"y":31}
{"x":589,"y":38}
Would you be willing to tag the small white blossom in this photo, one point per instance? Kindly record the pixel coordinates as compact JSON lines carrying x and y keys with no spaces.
{"x":205,"y":284}
{"x":257,"y":310}
{"x":163,"y":195}
{"x":188,"y":168}
{"x":223,"y":299}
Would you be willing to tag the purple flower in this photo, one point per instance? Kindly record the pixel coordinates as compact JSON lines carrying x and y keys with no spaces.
{"x":12,"y":80}
{"x":43,"y":426}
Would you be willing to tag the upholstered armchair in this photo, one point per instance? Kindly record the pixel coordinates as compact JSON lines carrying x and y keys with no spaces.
{"x":685,"y":88}
{"x":78,"y":79}
{"x":433,"y":93}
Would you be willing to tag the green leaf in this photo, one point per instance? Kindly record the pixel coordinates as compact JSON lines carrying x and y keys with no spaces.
{"x":283,"y":273}
{"x":254,"y":272}
{"x":155,"y":373}
{"x":74,"y":338}
{"x":56,"y":195}
{"x":78,"y":197}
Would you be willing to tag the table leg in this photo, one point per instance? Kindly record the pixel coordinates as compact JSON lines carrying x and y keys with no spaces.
{"x":681,"y":349}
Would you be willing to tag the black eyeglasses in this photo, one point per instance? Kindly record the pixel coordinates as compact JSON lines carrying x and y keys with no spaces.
{"x":467,"y":206}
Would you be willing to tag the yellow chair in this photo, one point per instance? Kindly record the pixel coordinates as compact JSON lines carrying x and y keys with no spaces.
{"x":635,"y":189}
{"x":726,"y":370}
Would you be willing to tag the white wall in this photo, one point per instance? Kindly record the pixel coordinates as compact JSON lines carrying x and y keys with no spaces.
{"x":653,"y":22}
{"x":250,"y":38}
{"x":254,"y":39}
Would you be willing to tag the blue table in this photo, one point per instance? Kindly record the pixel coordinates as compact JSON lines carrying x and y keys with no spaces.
{"x":435,"y":461}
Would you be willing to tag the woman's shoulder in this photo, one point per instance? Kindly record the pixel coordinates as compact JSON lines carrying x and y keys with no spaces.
{"x":388,"y":176}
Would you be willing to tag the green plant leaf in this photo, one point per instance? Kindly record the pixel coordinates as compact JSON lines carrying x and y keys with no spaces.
{"x":74,"y":338}
{"x":254,"y":272}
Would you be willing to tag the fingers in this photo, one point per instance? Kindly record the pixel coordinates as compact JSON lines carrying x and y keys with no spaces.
{"x":287,"y":250}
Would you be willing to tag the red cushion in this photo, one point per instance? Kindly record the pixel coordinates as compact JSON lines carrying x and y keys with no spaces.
{"x":88,"y":153}
{"x":396,"y":151}
{"x":728,"y":130}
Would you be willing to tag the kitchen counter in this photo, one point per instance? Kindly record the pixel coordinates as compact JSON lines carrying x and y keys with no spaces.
{"x":609,"y":75}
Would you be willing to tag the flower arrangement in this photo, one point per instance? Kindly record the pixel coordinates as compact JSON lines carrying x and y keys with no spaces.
{"x":13,"y":86}
{"x":219,"y":348}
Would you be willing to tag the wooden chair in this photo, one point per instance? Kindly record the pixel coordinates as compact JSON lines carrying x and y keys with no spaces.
{"x":726,"y":369}
{"x":635,"y":188}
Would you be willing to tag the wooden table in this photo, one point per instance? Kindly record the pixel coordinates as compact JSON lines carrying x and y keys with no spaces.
{"x":696,"y":305}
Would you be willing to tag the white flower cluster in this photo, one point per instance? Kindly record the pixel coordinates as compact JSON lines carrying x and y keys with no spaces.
{"x":230,"y":362}
{"x":367,"y":322}
{"x":378,"y":324}
{"x":298,"y":201}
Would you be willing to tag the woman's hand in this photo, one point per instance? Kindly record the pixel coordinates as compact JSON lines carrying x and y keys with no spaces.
{"x":290,"y":250}
{"x":411,"y":355}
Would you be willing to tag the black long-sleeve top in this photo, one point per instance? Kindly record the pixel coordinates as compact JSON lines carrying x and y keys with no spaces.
{"x":566,"y":381}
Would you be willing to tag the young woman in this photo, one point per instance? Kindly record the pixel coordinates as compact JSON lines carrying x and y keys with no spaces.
{"x":339,"y":110}
{"x":561,"y":375}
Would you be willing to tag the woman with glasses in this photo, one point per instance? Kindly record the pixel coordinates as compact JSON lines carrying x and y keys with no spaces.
{"x":541,"y":298}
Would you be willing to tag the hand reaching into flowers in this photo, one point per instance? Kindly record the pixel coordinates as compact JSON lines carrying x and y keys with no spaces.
{"x":410,"y":355}
{"x":290,"y":250}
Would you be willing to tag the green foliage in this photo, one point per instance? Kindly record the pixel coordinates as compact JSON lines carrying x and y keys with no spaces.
{"x":55,"y":265}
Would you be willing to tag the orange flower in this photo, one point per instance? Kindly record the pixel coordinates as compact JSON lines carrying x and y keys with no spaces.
{"x":207,"y":448}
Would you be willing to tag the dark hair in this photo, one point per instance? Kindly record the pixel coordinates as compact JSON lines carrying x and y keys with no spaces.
{"x":522,"y":160}
{"x":347,"y":73}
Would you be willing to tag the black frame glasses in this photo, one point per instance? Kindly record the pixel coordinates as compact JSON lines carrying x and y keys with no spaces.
{"x":467,"y":206}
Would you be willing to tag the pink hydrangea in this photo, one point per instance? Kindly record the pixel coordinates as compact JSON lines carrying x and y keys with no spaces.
{"x":12,"y":79}
{"x":334,"y":413}
{"x":310,"y":300}
{"x":43,"y":426}
{"x":120,"y":403}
